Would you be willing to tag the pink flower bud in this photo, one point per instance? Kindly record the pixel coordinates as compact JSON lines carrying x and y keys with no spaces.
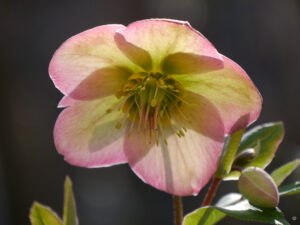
{"x":258,"y":187}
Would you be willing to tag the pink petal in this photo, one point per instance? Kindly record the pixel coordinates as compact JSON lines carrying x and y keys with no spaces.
{"x":83,"y":54}
{"x":137,"y":55}
{"x":183,"y":63}
{"x":101,"y":83}
{"x":182,"y":167}
{"x":199,"y":114}
{"x":65,"y":102}
{"x":86,"y":135}
{"x":163,"y":37}
{"x":230,"y":90}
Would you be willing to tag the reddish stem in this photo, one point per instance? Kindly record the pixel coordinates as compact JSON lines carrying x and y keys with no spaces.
{"x":178,"y":212}
{"x":212,"y":191}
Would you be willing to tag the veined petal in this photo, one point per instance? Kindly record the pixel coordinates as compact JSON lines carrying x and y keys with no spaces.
{"x":85,"y":133}
{"x":182,"y":167}
{"x":81,"y":55}
{"x":199,"y":114}
{"x":101,"y":83}
{"x":183,"y":63}
{"x":163,"y":37}
{"x":137,"y":55}
{"x":230,"y":90}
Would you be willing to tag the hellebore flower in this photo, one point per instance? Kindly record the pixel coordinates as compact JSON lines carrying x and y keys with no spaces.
{"x":155,"y":94}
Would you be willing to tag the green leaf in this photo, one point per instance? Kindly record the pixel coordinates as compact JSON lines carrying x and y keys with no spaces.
{"x":290,"y":189}
{"x":229,"y":199}
{"x":284,"y":171}
{"x":234,"y":175}
{"x":204,"y":216}
{"x":242,"y":210}
{"x":70,"y":215}
{"x":230,"y":148}
{"x":210,"y":215}
{"x":43,"y":215}
{"x":268,"y":136}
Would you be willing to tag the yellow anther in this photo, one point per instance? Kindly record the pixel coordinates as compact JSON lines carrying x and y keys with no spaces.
{"x":153,"y":102}
{"x":181,"y":133}
{"x":108,"y":110}
{"x":118,"y":125}
{"x":165,"y":141}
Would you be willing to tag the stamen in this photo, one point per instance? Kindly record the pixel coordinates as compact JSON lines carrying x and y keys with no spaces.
{"x":150,"y":131}
{"x":136,"y":102}
{"x":182,"y":133}
{"x":179,"y":132}
{"x":119,"y":106}
{"x":125,"y":115}
{"x":155,"y":115}
{"x":176,"y":96}
{"x":132,"y":124}
{"x":141,"y":114}
{"x":164,"y":108}
{"x":181,"y":113}
{"x":155,"y":99}
{"x":118,"y":125}
{"x":153,"y":102}
{"x":169,"y":118}
{"x":146,"y":116}
{"x":178,"y":109}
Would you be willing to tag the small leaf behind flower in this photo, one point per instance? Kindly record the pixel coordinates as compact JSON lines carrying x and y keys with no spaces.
{"x":43,"y":215}
{"x":290,"y":189}
{"x":270,"y":136}
{"x":207,"y":215}
{"x":70,"y":215}
{"x":284,"y":171}
{"x":230,"y":148}
{"x":230,"y":205}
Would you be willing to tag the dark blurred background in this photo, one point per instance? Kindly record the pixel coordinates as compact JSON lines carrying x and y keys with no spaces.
{"x":262,"y":36}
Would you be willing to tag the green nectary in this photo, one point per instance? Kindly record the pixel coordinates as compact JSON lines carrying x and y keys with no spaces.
{"x":151,"y":100}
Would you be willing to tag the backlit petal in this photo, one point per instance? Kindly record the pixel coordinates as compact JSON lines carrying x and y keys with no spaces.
{"x":199,"y":114}
{"x":101,"y":83}
{"x":83,"y":54}
{"x":182,"y":167}
{"x":137,"y":55}
{"x":183,"y":63}
{"x":163,"y":37}
{"x":230,"y":90}
{"x":86,"y":135}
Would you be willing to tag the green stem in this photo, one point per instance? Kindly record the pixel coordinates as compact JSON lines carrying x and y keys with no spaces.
{"x":178,"y":212}
{"x":211,"y":191}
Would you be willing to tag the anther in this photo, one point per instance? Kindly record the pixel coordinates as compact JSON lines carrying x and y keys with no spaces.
{"x":150,"y":101}
{"x":118,"y":125}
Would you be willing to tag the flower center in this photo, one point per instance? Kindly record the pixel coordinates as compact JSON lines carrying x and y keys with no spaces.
{"x":150,"y":101}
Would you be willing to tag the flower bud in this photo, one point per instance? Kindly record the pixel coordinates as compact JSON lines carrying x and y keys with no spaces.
{"x":258,"y":187}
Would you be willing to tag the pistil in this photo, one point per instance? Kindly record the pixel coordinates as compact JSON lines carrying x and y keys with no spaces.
{"x":150,"y":101}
